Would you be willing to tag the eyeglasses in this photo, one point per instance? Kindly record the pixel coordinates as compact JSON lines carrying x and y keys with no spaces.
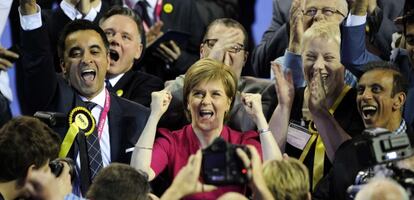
{"x":234,"y":49}
{"x":327,"y":11}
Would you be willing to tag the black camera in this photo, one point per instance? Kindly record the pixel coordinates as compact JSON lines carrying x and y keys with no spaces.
{"x":379,"y":145}
{"x":376,"y":150}
{"x":56,"y":166}
{"x":222,"y":165}
{"x":52,"y":119}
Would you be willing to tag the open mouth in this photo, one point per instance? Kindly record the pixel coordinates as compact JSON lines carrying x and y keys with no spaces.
{"x":324,"y":77}
{"x":206,"y":114}
{"x":88,"y":74}
{"x":114,"y":55}
{"x":368,"y":111}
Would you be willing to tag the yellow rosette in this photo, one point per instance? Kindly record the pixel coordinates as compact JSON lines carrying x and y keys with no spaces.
{"x":80,"y":119}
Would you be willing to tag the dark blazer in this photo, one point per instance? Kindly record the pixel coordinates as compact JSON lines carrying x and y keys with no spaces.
{"x":274,"y":40}
{"x":41,"y":89}
{"x":138,"y":86}
{"x":183,"y":17}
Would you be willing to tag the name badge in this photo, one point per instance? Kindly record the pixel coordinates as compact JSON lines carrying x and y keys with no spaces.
{"x":297,"y":136}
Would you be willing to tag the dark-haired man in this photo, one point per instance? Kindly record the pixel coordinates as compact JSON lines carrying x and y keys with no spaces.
{"x":355,"y":54}
{"x":84,"y":51}
{"x":125,"y":43}
{"x":126,"y":47}
{"x":381,"y":96}
{"x":19,"y":163}
{"x":119,"y":181}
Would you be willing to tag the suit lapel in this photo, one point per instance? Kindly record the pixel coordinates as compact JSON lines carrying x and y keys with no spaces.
{"x":124,"y":80}
{"x":115,"y":131}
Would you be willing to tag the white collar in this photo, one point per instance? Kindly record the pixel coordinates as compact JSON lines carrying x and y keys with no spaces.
{"x":98,"y":99}
{"x":72,"y":12}
{"x":115,"y":79}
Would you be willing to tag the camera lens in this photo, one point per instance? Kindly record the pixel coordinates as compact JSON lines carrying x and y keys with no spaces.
{"x":56,"y":167}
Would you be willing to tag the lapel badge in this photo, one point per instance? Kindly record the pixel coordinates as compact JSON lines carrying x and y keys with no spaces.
{"x":168,"y":8}
{"x":119,"y":92}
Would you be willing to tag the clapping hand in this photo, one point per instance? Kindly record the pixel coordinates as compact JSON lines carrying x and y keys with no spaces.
{"x":317,"y":99}
{"x":285,"y":90}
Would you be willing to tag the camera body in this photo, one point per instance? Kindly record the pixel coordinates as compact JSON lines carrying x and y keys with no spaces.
{"x":376,"y":150}
{"x":52,"y":119}
{"x":56,"y":166}
{"x":379,"y":145}
{"x":222,"y":166}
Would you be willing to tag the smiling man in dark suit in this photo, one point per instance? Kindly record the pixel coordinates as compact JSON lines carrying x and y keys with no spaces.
{"x":84,"y":54}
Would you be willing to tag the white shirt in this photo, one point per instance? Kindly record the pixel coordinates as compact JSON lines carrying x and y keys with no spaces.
{"x":73,"y":13}
{"x":5,"y":6}
{"x":355,"y":20}
{"x":115,"y":79}
{"x":104,"y":140}
{"x":150,"y":9}
{"x":34,"y":21}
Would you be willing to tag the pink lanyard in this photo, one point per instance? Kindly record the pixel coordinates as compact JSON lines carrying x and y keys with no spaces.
{"x":157,"y":11}
{"x":104,"y":114}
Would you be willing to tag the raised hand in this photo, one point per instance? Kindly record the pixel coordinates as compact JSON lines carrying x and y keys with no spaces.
{"x":285,"y":90}
{"x":154,"y":32}
{"x":28,"y":7}
{"x":84,"y":6}
{"x":362,"y":7}
{"x":187,"y":180}
{"x":6,"y":58}
{"x":168,"y":51}
{"x":160,"y":101}
{"x":255,"y":173}
{"x":43,"y":185}
{"x":296,"y":26}
{"x":253,"y":105}
{"x":228,"y":40}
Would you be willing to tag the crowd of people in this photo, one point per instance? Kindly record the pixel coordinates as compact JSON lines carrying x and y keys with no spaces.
{"x":138,"y":99}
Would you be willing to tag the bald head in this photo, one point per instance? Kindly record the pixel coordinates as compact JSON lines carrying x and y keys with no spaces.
{"x":382,"y":189}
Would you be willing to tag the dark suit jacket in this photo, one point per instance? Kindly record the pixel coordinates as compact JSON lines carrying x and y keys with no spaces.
{"x":41,"y":89}
{"x":138,"y":86}
{"x":274,"y":40}
{"x":184,"y":17}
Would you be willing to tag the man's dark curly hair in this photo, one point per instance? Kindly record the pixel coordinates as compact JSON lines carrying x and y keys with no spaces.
{"x":25,"y":141}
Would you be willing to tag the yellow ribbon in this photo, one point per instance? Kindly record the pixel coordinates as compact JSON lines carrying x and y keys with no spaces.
{"x":68,"y":140}
{"x":319,"y":157}
{"x":80,"y":118}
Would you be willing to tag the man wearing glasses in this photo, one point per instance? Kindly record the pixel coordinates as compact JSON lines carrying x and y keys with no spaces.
{"x":225,"y":40}
{"x":276,"y":39}
{"x":288,"y":26}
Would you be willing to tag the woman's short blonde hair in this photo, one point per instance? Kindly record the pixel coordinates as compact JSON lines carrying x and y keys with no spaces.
{"x":323,"y":30}
{"x":287,"y":179}
{"x":205,"y":70}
